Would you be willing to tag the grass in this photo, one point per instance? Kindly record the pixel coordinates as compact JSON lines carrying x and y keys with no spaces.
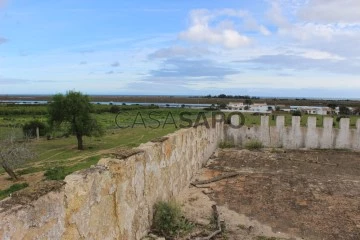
{"x":60,"y":172}
{"x":29,"y":170}
{"x":253,"y":145}
{"x":13,"y":188}
{"x":168,"y":220}
{"x":63,"y":152}
{"x":226,"y":144}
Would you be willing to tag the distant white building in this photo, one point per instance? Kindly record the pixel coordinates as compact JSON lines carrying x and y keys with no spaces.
{"x":253,"y":108}
{"x":236,"y":106}
{"x":261,"y":107}
{"x":312,"y":110}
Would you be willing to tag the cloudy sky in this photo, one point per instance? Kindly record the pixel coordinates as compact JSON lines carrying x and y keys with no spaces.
{"x":298,"y":48}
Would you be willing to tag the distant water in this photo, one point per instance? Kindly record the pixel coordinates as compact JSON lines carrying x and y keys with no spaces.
{"x":23,"y":102}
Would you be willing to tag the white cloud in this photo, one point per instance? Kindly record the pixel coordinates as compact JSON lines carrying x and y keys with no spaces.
{"x":275,"y":14}
{"x":311,"y":31}
{"x":274,"y":82}
{"x":326,"y":25}
{"x":331,"y":11}
{"x":225,"y":35}
{"x":264,"y":30}
{"x":316,"y":54}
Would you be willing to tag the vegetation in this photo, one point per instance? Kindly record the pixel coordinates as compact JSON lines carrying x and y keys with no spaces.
{"x":13,"y":153}
{"x":231,"y":96}
{"x":55,"y":173}
{"x":60,"y":172}
{"x":222,"y":105}
{"x":343,"y":110}
{"x":30,"y":127}
{"x":226,"y":144}
{"x":74,"y":109}
{"x":13,"y":188}
{"x":296,"y":113}
{"x":17,"y":110}
{"x":168,"y":220}
{"x":253,"y":145}
{"x":62,"y":151}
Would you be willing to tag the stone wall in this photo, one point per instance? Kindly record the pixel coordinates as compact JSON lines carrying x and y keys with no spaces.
{"x":295,"y":136}
{"x":115,"y":198}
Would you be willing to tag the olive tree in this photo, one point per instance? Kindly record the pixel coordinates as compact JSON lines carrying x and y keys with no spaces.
{"x":14,"y":152}
{"x":73,"y":109}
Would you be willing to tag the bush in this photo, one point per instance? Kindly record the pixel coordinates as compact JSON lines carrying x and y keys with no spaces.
{"x":340,"y":117}
{"x":226,"y":144}
{"x":29,"y":128}
{"x":56,"y":173}
{"x":168,"y":220}
{"x":114,"y":109}
{"x":254,"y":145}
{"x":296,"y":113}
{"x":222,"y":105}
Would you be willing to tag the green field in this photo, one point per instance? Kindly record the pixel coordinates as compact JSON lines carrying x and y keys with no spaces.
{"x":61,"y":151}
{"x":59,"y":156}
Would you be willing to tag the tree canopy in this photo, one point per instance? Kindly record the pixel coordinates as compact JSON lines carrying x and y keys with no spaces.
{"x":74,"y":109}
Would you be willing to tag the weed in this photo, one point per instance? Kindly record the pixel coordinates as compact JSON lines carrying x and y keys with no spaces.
{"x":253,"y":145}
{"x":55,"y":173}
{"x":168,"y":220}
{"x":226,"y":144}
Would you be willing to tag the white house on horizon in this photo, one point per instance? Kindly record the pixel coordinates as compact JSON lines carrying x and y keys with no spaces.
{"x":313,"y":110}
{"x":253,"y":108}
{"x":236,"y":106}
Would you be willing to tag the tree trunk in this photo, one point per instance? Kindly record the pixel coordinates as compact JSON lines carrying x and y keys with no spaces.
{"x":80,"y":142}
{"x":9,"y":171}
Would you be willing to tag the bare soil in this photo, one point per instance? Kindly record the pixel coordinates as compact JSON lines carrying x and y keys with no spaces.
{"x":302,"y":194}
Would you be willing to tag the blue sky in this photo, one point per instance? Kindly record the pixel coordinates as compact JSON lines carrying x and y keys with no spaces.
{"x":307,"y":48}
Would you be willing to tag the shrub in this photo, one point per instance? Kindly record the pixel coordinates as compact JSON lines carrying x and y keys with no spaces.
{"x":114,"y":109}
{"x":296,"y":113}
{"x":168,"y":220}
{"x":254,"y":145}
{"x":29,"y":128}
{"x":340,"y":117}
{"x":55,"y":173}
{"x":222,"y":106}
{"x":226,"y":144}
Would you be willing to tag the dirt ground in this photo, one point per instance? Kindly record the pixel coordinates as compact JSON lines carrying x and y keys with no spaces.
{"x":281,"y":194}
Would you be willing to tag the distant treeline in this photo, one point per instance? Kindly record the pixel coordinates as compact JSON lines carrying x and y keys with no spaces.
{"x":23,"y":109}
{"x":231,"y":96}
